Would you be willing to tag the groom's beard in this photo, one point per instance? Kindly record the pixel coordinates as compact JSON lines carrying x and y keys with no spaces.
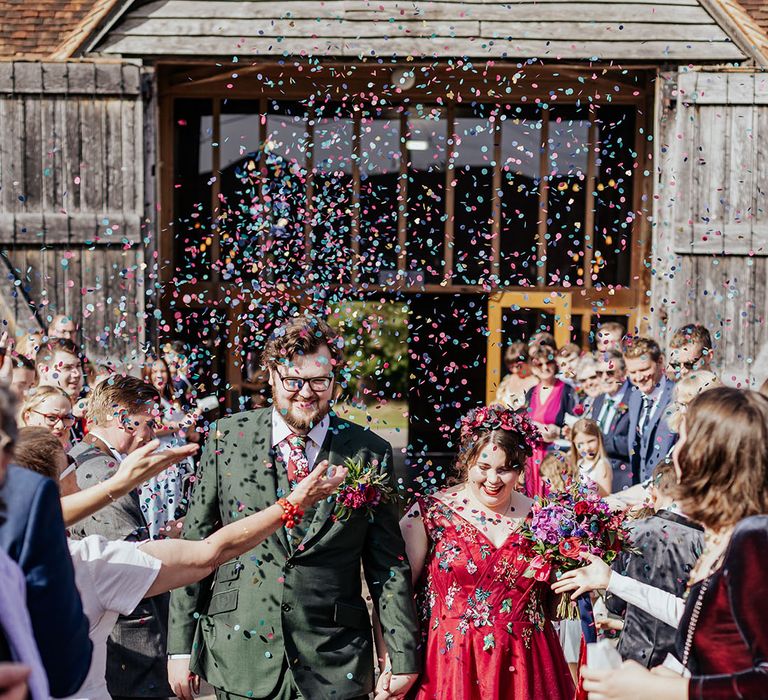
{"x":299,"y":418}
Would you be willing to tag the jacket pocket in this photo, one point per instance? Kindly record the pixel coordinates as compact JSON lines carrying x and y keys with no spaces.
{"x":229,"y":571}
{"x":226,"y":601}
{"x":351,"y":615}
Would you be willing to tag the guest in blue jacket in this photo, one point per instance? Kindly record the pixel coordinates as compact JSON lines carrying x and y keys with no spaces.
{"x":32,"y":534}
{"x":650,"y":437}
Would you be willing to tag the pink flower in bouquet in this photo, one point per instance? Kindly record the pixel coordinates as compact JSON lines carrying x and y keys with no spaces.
{"x":541,"y":568}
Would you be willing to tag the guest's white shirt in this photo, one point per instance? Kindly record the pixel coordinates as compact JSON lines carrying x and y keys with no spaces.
{"x":281,"y":431}
{"x":608,"y":410}
{"x":662,"y":605}
{"x":654,"y":396}
{"x":112,"y":577}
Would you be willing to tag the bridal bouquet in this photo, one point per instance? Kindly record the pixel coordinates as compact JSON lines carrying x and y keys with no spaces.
{"x":567,"y":525}
{"x":363,"y":488}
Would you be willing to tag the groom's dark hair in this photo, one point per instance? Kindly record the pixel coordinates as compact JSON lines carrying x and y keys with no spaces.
{"x":302,"y":335}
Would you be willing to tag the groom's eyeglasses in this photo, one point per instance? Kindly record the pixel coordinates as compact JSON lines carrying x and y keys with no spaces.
{"x":294,"y":384}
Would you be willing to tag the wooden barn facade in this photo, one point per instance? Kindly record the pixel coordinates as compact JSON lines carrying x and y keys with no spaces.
{"x":168,"y":166}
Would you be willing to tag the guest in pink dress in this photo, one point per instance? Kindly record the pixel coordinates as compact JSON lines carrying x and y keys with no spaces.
{"x":548,"y":403}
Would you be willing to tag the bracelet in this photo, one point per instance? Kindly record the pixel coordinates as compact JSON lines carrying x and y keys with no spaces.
{"x":291,"y":513}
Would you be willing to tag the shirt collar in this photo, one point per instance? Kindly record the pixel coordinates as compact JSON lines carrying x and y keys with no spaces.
{"x":119,"y":457}
{"x":281,"y":430}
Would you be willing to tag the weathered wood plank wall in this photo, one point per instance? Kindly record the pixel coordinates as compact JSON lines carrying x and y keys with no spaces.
{"x":710,"y":258}
{"x":629,"y":29}
{"x":72,"y":196}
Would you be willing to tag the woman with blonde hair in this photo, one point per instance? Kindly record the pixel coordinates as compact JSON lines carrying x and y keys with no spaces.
{"x":686,"y":390}
{"x":519,"y":380}
{"x":588,"y":455}
{"x":49,"y":407}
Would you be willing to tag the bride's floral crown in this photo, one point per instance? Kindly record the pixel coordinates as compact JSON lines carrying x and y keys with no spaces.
{"x":497,"y":417}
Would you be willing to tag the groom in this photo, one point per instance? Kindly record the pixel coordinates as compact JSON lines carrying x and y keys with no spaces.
{"x":287,"y":620}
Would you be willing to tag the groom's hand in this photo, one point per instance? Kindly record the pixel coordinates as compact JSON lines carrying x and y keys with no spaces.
{"x":183,"y":683}
{"x":394,"y":685}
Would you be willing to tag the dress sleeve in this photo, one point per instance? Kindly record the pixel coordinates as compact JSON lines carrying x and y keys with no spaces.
{"x":747,"y":589}
{"x":662,"y":605}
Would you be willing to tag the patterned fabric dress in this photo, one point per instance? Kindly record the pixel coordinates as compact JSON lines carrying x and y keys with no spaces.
{"x":487,"y":635}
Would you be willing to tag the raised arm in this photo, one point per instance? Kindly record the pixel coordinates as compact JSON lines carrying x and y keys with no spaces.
{"x":187,"y":561}
{"x":135,"y":469}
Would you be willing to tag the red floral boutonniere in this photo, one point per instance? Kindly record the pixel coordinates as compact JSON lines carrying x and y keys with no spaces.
{"x":622,"y":408}
{"x":363,"y":488}
{"x":578,"y":410}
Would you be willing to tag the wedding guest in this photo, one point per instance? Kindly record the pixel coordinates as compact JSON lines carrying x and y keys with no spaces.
{"x":588,"y":457}
{"x":764,"y":388}
{"x":59,"y":364}
{"x":23,"y":376}
{"x":588,"y":385}
{"x":162,"y":497}
{"x":611,"y":411}
{"x":690,"y":349}
{"x":61,"y":326}
{"x":542,"y":338}
{"x":666,"y":546}
{"x":557,"y":471}
{"x":309,"y":585}
{"x":49,"y":407}
{"x":548,"y":403}
{"x":686,"y":390}
{"x":18,"y":649}
{"x":567,"y":359}
{"x":484,"y":622}
{"x":32,"y":534}
{"x":519,"y":380}
{"x":609,"y":336}
{"x":650,"y":437}
{"x":123,"y":414}
{"x":114,"y":576}
{"x":721,"y":462}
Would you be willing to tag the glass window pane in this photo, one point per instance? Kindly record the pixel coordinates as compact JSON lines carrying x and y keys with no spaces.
{"x":333,"y":196}
{"x":472,"y":154}
{"x":284,"y":187}
{"x":568,"y":150}
{"x":425,"y":141}
{"x":379,"y":174}
{"x":193,"y":177}
{"x":521,"y":144}
{"x":242,"y":217}
{"x":613,"y":196}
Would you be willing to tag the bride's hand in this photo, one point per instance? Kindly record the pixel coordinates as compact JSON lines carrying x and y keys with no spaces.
{"x":321,"y":482}
{"x":595,"y":576}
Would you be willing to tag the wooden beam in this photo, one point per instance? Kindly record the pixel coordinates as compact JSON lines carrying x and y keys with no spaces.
{"x":541,"y":254}
{"x":449,"y":194}
{"x":496,"y":202}
{"x":589,"y":195}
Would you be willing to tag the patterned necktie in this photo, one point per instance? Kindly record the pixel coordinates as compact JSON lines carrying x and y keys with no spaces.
{"x":298,"y":464}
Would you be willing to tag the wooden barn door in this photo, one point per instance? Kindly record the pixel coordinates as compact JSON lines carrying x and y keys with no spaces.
{"x":710,"y":240}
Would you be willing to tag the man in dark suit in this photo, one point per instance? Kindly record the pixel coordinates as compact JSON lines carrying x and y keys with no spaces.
{"x":32,"y":533}
{"x":287,"y":620}
{"x":650,"y":437}
{"x":122,"y":412}
{"x":665,"y":548}
{"x":611,"y":411}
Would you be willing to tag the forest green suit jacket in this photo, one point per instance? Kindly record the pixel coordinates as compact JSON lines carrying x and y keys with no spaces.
{"x":295,"y":604}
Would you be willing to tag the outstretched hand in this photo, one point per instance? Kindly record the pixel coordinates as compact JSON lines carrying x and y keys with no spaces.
{"x":6,"y":361}
{"x":321,"y":482}
{"x":595,"y":576}
{"x":146,"y":461}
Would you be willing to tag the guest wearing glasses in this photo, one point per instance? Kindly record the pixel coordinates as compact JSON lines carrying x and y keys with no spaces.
{"x":49,"y":407}
{"x":588,"y":384}
{"x":690,"y":349}
{"x":59,"y":364}
{"x":548,"y":403}
{"x":611,"y":411}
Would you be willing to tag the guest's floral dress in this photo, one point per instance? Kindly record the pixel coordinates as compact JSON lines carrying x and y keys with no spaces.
{"x":487,"y":635}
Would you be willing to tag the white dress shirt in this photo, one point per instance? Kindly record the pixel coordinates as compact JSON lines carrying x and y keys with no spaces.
{"x":610,"y":406}
{"x":281,"y":431}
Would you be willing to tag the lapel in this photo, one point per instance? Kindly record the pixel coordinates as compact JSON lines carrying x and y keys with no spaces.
{"x":266,"y":483}
{"x":333,"y":450}
{"x":678,"y":518}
